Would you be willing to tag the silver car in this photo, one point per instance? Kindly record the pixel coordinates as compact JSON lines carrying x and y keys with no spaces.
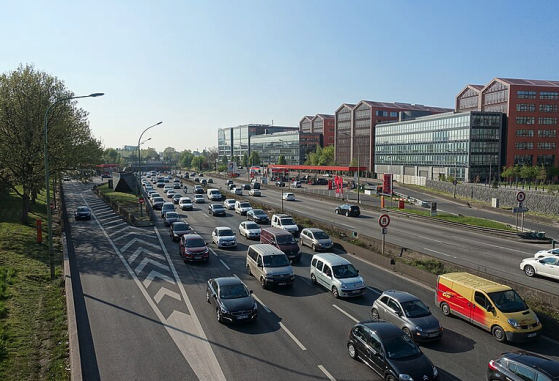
{"x":408,"y":313}
{"x":315,"y":239}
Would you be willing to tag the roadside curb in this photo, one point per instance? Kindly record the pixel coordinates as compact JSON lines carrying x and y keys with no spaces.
{"x":73,"y":339}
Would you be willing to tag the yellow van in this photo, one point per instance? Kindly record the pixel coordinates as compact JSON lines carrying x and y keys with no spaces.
{"x":489,"y":305}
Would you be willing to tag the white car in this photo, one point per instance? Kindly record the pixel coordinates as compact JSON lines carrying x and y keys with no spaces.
{"x":285,"y":222}
{"x":199,"y":199}
{"x":545,"y":253}
{"x":223,"y":236}
{"x":185,"y":203}
{"x":242,"y":207}
{"x":250,"y":229}
{"x":288,"y":197}
{"x":229,"y":204}
{"x":170,"y":193}
{"x":255,"y":192}
{"x":237,"y":191}
{"x":546,"y":266}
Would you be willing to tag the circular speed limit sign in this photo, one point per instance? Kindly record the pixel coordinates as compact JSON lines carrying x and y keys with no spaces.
{"x":520,"y":196}
{"x":384,"y":220}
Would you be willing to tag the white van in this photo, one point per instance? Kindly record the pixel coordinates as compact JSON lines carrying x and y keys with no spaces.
{"x":269,"y":265}
{"x":242,"y":207}
{"x":337,"y":275}
{"x":214,"y":195}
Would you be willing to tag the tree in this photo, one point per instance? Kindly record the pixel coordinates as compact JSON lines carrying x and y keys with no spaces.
{"x":224,"y":160}
{"x":245,"y":160}
{"x":254,"y":158}
{"x":185,"y":159}
{"x":198,"y":162}
{"x":111,"y":156}
{"x":281,"y":160}
{"x":213,"y":155}
{"x":170,"y":155}
{"x":327,"y":156}
{"x":542,"y":174}
{"x":149,"y":154}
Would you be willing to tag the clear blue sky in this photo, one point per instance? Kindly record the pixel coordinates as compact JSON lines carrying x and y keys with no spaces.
{"x":201,"y":65}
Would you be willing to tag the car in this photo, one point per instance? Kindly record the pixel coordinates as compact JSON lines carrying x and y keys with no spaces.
{"x":176,"y":198}
{"x":246,"y":187}
{"x":232,"y":300}
{"x":167,"y":188}
{"x":196,"y":180}
{"x":170,"y":217}
{"x":348,"y":210}
{"x":204,"y":182}
{"x":545,"y":253}
{"x":285,"y":222}
{"x":389,"y":352}
{"x":167,"y":207}
{"x":258,"y":215}
{"x":177,"y":186}
{"x":280,"y":183}
{"x":255,"y":192}
{"x":229,"y":182}
{"x":149,"y":187}
{"x":82,"y":213}
{"x":176,"y":180}
{"x":255,"y":185}
{"x":185,"y":203}
{"x":193,"y":174}
{"x":237,"y":191}
{"x":409,"y":313}
{"x":198,"y":189}
{"x":522,"y":366}
{"x":152,"y":194}
{"x":288,"y":196}
{"x":544,"y":266}
{"x":321,"y":181}
{"x":193,"y":248}
{"x":157,"y":203}
{"x":178,"y":229}
{"x":231,"y":186}
{"x":170,"y":193}
{"x":210,"y":181}
{"x":337,"y":275}
{"x":224,"y":236}
{"x":250,"y":230}
{"x":296,"y":184}
{"x":242,"y":207}
{"x":160,"y":184}
{"x":201,"y":175}
{"x":216,"y":210}
{"x":229,"y":203}
{"x":199,"y":199}
{"x":316,"y":239}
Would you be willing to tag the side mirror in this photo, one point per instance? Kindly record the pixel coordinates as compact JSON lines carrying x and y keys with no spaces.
{"x":251,"y":291}
{"x":357,"y":271}
{"x":214,"y":296}
{"x":490,"y":309}
{"x":259,"y":265}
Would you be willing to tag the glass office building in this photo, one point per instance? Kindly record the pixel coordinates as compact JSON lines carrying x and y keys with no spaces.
{"x":464,"y":145}
{"x":271,"y":146}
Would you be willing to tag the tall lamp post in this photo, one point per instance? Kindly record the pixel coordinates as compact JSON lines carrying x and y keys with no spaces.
{"x":49,"y":211}
{"x":358,"y":167}
{"x":140,"y":161}
{"x":281,"y":181}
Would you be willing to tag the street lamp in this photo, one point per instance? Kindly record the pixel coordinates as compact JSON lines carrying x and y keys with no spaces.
{"x":140,"y":161}
{"x":281,"y":180}
{"x":358,"y":168}
{"x":49,"y":211}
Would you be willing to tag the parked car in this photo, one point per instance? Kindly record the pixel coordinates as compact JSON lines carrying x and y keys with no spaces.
{"x":348,"y":210}
{"x":229,"y":204}
{"x":176,"y":198}
{"x":193,"y":248}
{"x":296,"y":184}
{"x":178,"y":229}
{"x":285,"y":222}
{"x":545,"y":253}
{"x":199,"y":199}
{"x":167,"y":207}
{"x":337,"y":275}
{"x":255,"y":192}
{"x":389,"y":352}
{"x":171,"y":217}
{"x":185,"y":203}
{"x":216,"y":210}
{"x":288,"y":196}
{"x":258,"y":215}
{"x":544,"y":266}
{"x":522,"y":366}
{"x":250,"y":230}
{"x":409,"y":313}
{"x":280,"y":183}
{"x":231,"y":299}
{"x":315,"y":239}
{"x":82,"y":213}
{"x":223,"y":236}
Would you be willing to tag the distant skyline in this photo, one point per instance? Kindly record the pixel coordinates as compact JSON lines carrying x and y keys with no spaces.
{"x":199,"y":66}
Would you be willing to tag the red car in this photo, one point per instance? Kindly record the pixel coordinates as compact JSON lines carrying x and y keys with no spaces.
{"x":193,"y":248}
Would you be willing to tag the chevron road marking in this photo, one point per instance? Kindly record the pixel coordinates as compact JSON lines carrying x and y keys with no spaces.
{"x":140,"y":241}
{"x":144,"y":263}
{"x":126,"y":235}
{"x":165,"y":292}
{"x":156,"y":274}
{"x":141,"y":250}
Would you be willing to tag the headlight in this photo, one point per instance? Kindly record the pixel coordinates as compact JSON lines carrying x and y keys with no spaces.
{"x":435,"y":371}
{"x":299,"y":252}
{"x":513,"y":322}
{"x":223,"y":309}
{"x":537,"y":320}
{"x":419,"y":329}
{"x":255,"y":307}
{"x":405,"y":377}
{"x":344,"y":286}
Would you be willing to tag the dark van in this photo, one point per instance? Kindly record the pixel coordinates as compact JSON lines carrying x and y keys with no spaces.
{"x":283,"y":240}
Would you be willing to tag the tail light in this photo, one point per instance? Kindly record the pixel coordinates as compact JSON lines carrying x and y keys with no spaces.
{"x":492,"y":365}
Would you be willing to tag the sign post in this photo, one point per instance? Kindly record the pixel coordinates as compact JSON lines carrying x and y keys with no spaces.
{"x":520,"y":197}
{"x":141,"y":201}
{"x":384,"y":221}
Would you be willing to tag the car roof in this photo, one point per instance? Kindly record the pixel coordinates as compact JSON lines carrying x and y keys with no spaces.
{"x":383,"y":329}
{"x":331,"y":258}
{"x":168,"y":203}
{"x":179,"y":222}
{"x":216,"y":205}
{"x":184,"y":199}
{"x":266,"y":249}
{"x":191,"y":236}
{"x":313,"y":230}
{"x":542,"y":363}
{"x":400,"y":296}
{"x":283,"y":215}
{"x":228,"y":281}
{"x":223,"y":228}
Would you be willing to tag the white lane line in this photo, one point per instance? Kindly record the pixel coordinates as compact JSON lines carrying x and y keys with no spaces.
{"x":292,"y":337}
{"x":428,"y":239}
{"x":225,"y":264}
{"x":345,"y":313}
{"x":326,"y":373}
{"x":374,"y":290}
{"x":435,"y":251}
{"x":213,"y":252}
{"x":509,"y":249}
{"x":262,"y":304}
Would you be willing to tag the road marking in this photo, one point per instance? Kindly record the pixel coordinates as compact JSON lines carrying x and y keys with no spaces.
{"x":345,"y":313}
{"x":213,"y":252}
{"x":435,"y":251}
{"x":374,"y":290}
{"x":292,"y":337}
{"x":326,"y":373}
{"x":140,"y":241}
{"x":428,"y":239}
{"x":262,"y":304}
{"x":145,"y":261}
{"x":509,"y":249}
{"x":156,"y":274}
{"x":225,"y":264}
{"x":165,"y":292}
{"x":122,"y":223}
{"x":140,"y":250}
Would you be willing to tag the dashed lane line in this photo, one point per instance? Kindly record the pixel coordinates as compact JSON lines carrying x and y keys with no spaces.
{"x":262,"y":304}
{"x":345,"y":313}
{"x":292,"y":336}
{"x":326,"y":373}
{"x":225,"y":264}
{"x":438,"y":252}
{"x":213,"y":252}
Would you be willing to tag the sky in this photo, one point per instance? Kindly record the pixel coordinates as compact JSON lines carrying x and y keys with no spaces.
{"x":202,"y":65}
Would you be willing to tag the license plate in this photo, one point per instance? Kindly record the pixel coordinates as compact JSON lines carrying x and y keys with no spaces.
{"x":242,"y":316}
{"x":282,"y":284}
{"x":433,"y":335}
{"x":532,"y":334}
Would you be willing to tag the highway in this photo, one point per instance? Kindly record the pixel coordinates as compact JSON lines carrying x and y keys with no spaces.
{"x":145,"y":314}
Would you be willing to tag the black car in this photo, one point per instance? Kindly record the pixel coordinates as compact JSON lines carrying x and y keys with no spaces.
{"x":196,"y":180}
{"x":348,"y":210}
{"x":210,"y":181}
{"x":280,"y":183}
{"x":216,"y":210}
{"x":176,"y":185}
{"x":231,"y":299}
{"x":82,"y":213}
{"x":255,"y":185}
{"x":246,"y":187}
{"x":258,"y":216}
{"x":231,"y":186}
{"x":204,"y":182}
{"x":321,"y":181}
{"x":198,"y":189}
{"x":178,"y":229}
{"x":520,"y":366}
{"x":389,"y":351}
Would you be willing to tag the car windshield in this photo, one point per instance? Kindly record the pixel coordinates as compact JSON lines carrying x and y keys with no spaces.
{"x":83,"y":209}
{"x":344,"y":271}
{"x":231,"y":201}
{"x":225,"y":233}
{"x":400,"y":347}
{"x":258,"y":212}
{"x":218,"y":206}
{"x":194,"y":242}
{"x":198,"y":196}
{"x":252,"y":225}
{"x":286,"y":239}
{"x":233,"y":291}
{"x":186,"y":201}
{"x":181,"y":226}
{"x":278,"y":260}
{"x":172,"y":215}
{"x":157,"y":199}
{"x":287,"y":221}
{"x":245,"y":205}
{"x":415,"y":308}
{"x":320,"y":235}
{"x":508,"y":301}
{"x":168,"y":206}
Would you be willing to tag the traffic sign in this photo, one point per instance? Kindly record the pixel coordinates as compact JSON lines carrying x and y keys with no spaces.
{"x":384,"y":230}
{"x":520,"y":196}
{"x":454,"y":182}
{"x":141,"y":200}
{"x":384,"y":220}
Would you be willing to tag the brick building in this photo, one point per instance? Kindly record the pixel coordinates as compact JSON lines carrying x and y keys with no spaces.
{"x":324,"y":124}
{"x":305,"y":124}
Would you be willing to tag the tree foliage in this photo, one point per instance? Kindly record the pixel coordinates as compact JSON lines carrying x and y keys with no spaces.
{"x":254,"y":158}
{"x":322,"y":156}
{"x":199,"y":162}
{"x":281,"y":160}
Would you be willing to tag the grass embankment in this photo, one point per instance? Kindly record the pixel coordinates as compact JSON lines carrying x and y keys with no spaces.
{"x":126,"y":200}
{"x":33,"y":326}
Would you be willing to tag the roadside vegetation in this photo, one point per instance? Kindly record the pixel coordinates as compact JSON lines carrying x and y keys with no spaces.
{"x":125,"y":200}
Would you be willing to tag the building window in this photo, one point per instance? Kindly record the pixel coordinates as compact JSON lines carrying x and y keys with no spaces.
{"x":526,"y":94}
{"x":394,"y":114}
{"x":545,"y":160}
{"x":548,"y":95}
{"x":525,"y":120}
{"x":381,"y":113}
{"x":525,"y":133}
{"x":524,"y":145}
{"x":548,"y":108}
{"x":525,"y":107}
{"x":552,"y":121}
{"x":546,"y":145}
{"x":523,"y":159}
{"x":547,"y":133}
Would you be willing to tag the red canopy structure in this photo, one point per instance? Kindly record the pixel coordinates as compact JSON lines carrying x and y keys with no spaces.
{"x":327,"y":168}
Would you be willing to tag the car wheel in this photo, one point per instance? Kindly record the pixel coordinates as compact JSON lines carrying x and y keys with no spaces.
{"x":445,"y":308}
{"x":499,"y":334}
{"x":351,"y":350}
{"x":529,"y":270}
{"x":374,"y":314}
{"x":313,"y":279}
{"x":313,"y":247}
{"x":347,"y":214}
{"x":335,"y":292}
{"x":390,"y":378}
{"x":262,"y":282}
{"x":207,"y":296}
{"x":337,"y":211}
{"x":407,"y":331}
{"x":218,"y":315}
